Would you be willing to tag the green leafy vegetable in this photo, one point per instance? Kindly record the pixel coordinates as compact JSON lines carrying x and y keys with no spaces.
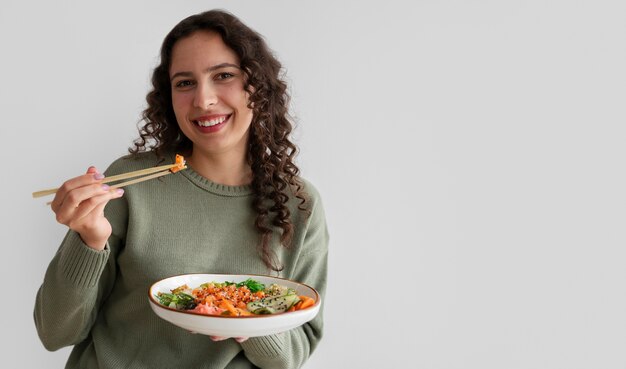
{"x":253,"y":286}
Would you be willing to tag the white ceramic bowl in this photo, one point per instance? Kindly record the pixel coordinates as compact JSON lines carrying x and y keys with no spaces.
{"x":232,"y":326}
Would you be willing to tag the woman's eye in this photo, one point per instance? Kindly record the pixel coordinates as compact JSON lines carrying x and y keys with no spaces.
{"x":184,"y":83}
{"x":223,"y":76}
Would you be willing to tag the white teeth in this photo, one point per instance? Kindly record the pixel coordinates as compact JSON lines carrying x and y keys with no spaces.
{"x":212,"y":122}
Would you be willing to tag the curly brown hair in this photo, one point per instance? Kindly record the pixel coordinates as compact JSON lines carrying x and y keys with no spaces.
{"x":270,"y":151}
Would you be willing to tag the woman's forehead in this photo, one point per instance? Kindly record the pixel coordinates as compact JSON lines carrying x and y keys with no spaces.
{"x":201,"y":49}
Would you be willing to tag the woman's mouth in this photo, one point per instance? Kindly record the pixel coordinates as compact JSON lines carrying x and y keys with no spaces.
{"x":211,"y":123}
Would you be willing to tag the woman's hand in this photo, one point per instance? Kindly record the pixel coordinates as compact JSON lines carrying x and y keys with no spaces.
{"x":220,"y":338}
{"x":79,"y":204}
{"x":238,"y":339}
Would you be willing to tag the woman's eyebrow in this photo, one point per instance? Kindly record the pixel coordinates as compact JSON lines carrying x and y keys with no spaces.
{"x":209,"y":69}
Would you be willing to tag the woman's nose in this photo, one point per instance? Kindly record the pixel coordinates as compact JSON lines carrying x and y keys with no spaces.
{"x":205,"y":96}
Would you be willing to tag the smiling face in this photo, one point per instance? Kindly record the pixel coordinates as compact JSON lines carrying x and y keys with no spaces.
{"x":208,"y":95}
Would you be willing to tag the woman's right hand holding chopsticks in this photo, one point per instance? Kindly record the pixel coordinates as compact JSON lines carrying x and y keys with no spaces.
{"x":79,"y":204}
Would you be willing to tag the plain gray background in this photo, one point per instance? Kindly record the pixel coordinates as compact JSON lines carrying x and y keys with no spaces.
{"x":470,"y":155}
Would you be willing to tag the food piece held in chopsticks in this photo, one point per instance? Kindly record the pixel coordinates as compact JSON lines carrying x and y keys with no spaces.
{"x":180,"y":164}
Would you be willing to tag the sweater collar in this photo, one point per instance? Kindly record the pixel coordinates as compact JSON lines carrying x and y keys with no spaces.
{"x":216,"y":188}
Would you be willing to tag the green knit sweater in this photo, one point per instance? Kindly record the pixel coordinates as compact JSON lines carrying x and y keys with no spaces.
{"x":181,"y":223}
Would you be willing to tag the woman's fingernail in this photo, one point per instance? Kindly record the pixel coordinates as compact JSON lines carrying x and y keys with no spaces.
{"x":98,"y":176}
{"x":105,"y":187}
{"x":120,"y":191}
{"x":91,"y":169}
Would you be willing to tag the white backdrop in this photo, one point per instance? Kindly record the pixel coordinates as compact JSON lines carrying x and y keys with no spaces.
{"x":470,"y":155}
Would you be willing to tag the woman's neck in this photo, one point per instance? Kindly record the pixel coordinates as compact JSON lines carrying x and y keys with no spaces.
{"x":226,"y":169}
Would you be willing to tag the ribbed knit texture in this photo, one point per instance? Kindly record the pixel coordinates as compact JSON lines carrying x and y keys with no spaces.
{"x":181,"y":223}
{"x":82,"y":265}
{"x":268,"y":347}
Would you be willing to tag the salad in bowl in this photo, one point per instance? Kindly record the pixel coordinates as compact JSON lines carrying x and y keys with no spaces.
{"x":234,"y":305}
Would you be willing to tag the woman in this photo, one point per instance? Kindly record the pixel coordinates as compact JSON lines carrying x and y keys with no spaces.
{"x":240,"y":207}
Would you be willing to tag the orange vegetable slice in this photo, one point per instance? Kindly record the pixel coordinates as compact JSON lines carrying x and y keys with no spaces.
{"x":180,"y":164}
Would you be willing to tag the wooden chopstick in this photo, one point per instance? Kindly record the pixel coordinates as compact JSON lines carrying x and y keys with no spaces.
{"x":137,"y":180}
{"x":163,"y":169}
{"x":138,"y":173}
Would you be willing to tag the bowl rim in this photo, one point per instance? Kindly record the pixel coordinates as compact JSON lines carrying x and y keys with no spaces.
{"x":255,"y":316}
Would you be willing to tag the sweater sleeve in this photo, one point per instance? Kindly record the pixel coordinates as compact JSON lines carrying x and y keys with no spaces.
{"x":77,"y":280}
{"x":65,"y":306}
{"x":291,"y":349}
